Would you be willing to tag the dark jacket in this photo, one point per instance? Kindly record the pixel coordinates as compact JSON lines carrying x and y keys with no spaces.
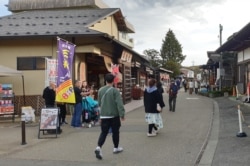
{"x":173,"y":90}
{"x":152,"y":97}
{"x":49,"y":96}
{"x":159,"y":87}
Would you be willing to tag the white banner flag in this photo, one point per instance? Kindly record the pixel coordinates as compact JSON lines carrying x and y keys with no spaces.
{"x":51,"y":71}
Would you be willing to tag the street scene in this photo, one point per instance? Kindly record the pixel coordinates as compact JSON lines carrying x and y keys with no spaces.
{"x":124,"y":83}
{"x":180,"y":142}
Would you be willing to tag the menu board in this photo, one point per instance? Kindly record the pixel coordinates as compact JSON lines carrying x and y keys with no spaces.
{"x":49,"y":118}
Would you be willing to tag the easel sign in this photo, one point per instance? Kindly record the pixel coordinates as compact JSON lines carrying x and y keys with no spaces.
{"x":49,"y":120}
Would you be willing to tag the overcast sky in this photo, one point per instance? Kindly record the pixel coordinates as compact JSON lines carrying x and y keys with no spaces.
{"x":195,"y":23}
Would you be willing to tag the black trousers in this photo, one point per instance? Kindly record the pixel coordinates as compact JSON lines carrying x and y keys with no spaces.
{"x":151,"y":127}
{"x":106,"y":124}
{"x":172,"y":102}
{"x":62,"y":114}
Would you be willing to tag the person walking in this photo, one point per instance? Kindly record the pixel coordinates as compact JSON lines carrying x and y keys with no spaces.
{"x":185,"y":84}
{"x":173,"y":90}
{"x":76,"y":117}
{"x":159,"y":87}
{"x":196,"y":86}
{"x":152,"y":97}
{"x":178,"y":83}
{"x":191,"y":86}
{"x":111,"y":114}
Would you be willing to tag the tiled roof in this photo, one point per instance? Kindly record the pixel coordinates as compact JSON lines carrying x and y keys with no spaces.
{"x":53,"y":22}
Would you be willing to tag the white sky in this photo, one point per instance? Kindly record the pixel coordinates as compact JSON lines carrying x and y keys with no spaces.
{"x":195,"y":23}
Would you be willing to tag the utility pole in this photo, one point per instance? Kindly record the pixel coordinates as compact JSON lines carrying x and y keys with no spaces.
{"x":221,"y":28}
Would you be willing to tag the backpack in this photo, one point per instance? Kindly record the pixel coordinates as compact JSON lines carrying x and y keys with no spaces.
{"x":174,"y":90}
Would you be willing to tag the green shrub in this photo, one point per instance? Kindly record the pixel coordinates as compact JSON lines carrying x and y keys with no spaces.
{"x":227,"y":89}
{"x":215,"y":93}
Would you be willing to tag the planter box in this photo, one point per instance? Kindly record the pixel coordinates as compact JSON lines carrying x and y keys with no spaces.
{"x":211,"y":95}
{"x":136,"y":93}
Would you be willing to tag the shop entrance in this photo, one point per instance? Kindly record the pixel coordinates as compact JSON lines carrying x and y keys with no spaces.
{"x":96,"y":71}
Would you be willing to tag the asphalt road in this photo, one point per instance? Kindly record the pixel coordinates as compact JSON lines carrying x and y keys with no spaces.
{"x":178,"y":144}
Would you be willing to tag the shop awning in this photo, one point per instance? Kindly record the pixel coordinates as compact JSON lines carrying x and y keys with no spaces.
{"x":5,"y":71}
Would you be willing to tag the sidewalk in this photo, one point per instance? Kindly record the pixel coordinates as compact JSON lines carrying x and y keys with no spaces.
{"x":224,"y":148}
{"x":11,"y":132}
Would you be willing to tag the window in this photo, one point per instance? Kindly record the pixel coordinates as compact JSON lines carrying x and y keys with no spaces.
{"x":124,"y":35}
{"x":31,"y":63}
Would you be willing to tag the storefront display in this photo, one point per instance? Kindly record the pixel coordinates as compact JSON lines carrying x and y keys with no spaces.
{"x":6,"y":99}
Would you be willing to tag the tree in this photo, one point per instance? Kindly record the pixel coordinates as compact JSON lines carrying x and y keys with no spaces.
{"x":153,"y":57}
{"x":171,"y":53}
{"x":173,"y":66}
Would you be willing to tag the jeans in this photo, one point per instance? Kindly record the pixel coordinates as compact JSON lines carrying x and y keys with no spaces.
{"x":106,"y":124}
{"x":76,"y":118}
{"x":172,"y":102}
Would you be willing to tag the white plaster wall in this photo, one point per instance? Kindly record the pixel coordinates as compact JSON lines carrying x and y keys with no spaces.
{"x":244,"y":55}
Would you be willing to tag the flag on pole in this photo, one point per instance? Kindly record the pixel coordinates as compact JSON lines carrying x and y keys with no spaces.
{"x":65,"y":54}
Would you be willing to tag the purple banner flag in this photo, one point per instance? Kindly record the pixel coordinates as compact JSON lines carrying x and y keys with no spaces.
{"x":65,"y":90}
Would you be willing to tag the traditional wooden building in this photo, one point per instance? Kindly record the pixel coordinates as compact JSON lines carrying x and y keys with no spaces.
{"x":100,"y":34}
{"x":234,"y":59}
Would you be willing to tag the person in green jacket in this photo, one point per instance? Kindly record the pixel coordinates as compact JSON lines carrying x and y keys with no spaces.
{"x":111,"y":113}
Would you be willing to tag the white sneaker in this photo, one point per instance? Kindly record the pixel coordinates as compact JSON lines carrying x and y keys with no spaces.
{"x":98,"y":153}
{"x":151,"y":134}
{"x":89,"y":125}
{"x":117,"y":150}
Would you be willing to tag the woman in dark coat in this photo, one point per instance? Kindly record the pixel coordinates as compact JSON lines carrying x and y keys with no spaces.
{"x":152,"y":97}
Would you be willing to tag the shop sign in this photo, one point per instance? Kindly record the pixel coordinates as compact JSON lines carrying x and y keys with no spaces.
{"x":126,"y":56}
{"x":136,"y":64}
{"x":149,"y":70}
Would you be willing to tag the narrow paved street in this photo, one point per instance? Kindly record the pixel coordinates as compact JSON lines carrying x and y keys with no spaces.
{"x":177,"y":144}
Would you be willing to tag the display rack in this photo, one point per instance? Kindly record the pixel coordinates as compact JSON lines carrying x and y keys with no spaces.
{"x":7,"y":101}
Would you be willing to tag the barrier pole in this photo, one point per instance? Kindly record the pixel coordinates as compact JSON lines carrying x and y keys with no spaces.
{"x":247,"y":94}
{"x":241,"y":133}
{"x":23,"y":130}
{"x":234,"y":91}
{"x":237,"y":93}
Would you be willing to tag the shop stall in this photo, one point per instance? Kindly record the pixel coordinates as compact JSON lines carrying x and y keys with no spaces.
{"x":6,"y":92}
